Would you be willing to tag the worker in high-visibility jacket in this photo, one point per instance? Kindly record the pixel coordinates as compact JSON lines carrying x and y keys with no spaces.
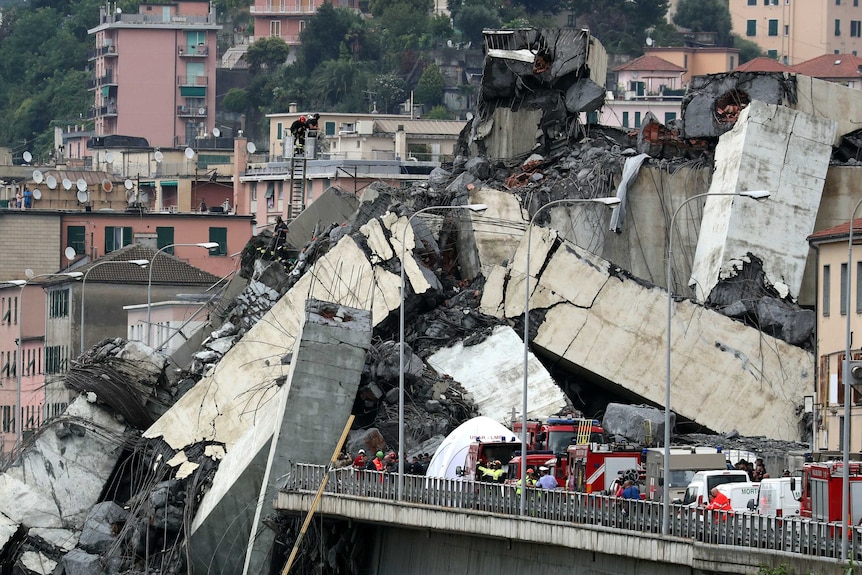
{"x":719,"y":503}
{"x":531,"y":480}
{"x":493,"y":472}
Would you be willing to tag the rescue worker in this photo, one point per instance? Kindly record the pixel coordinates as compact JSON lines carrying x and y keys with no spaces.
{"x":298,"y":129}
{"x":360,"y":460}
{"x":492,"y":472}
{"x":376,"y":464}
{"x":546,"y":480}
{"x":719,"y":503}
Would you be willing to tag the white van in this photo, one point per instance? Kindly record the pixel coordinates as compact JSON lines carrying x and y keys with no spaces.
{"x":697,"y":492}
{"x":779,"y":497}
{"x":740,"y":494}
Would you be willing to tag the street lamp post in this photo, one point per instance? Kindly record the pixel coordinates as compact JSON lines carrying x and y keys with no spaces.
{"x":665,"y":497}
{"x":401,"y":442}
{"x":140,"y":263}
{"x":205,"y":245}
{"x":845,"y":487}
{"x":19,"y":419}
{"x":610,"y":202}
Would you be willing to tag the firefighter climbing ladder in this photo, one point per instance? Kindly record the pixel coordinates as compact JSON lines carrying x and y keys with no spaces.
{"x":297,"y":186}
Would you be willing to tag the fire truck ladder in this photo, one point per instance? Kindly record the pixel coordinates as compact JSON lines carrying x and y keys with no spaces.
{"x":583,"y":431}
{"x":648,"y":432}
{"x":297,"y":187}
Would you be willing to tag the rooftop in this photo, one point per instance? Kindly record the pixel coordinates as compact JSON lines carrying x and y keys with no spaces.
{"x":831,"y":66}
{"x":168,"y":269}
{"x":763,"y":64}
{"x":649,"y":63}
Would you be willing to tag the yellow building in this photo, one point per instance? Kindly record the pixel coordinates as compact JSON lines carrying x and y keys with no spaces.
{"x":832,"y":258}
{"x":698,"y":61}
{"x":793,"y":31}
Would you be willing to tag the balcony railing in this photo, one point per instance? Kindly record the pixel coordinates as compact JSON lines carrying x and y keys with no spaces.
{"x":199,"y":51}
{"x":107,"y":50}
{"x":104,"y":80}
{"x":192,"y":80}
{"x":101,"y":111}
{"x":192,"y":111}
{"x":277,"y":8}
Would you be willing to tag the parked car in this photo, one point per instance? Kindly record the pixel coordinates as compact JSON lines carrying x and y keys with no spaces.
{"x":697,"y":492}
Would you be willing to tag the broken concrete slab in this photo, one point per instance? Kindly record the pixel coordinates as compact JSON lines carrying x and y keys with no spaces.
{"x":770,"y":148}
{"x":725,"y":375}
{"x":638,"y":424}
{"x":829,"y":100}
{"x":100,"y":528}
{"x":8,"y":528}
{"x":713,"y":102}
{"x":493,"y":372}
{"x":64,"y":540}
{"x":79,"y":562}
{"x":35,"y":562}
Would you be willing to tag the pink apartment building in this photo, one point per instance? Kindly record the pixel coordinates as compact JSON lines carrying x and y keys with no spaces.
{"x":285,"y":19}
{"x":155,"y":72}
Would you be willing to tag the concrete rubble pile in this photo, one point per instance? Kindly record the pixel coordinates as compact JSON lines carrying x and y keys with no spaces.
{"x":181,"y":465}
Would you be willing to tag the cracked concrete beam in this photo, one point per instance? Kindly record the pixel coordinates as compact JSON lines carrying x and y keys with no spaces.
{"x":725,"y":375}
{"x":830,"y":100}
{"x":772,"y":148}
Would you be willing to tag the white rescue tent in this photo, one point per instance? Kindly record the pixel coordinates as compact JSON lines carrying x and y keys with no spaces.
{"x":453,"y":451}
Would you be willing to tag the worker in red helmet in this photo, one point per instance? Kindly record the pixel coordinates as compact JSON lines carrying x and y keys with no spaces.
{"x":298,"y":129}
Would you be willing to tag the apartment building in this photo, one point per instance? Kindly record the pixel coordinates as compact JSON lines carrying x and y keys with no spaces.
{"x":793,"y":31}
{"x":155,"y":71}
{"x":286,"y":19}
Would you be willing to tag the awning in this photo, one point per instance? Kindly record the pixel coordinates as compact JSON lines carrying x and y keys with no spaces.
{"x":193,"y":91}
{"x":106,"y":90}
{"x":168,"y":183}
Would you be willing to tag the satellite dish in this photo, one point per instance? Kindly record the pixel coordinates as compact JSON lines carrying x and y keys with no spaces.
{"x":158,"y":156}
{"x":251,"y":147}
{"x":128,"y":184}
{"x":37,"y":194}
{"x":189,"y":153}
{"x":216,"y":132}
{"x":29,"y":273}
{"x":202,"y":111}
{"x":119,"y":10}
{"x":107,"y":186}
{"x":52,"y":182}
{"x":109,"y":157}
{"x":27,"y":157}
{"x":38,"y":177}
{"x":81,"y":184}
{"x":67,"y":184}
{"x":83,"y":197}
{"x":649,"y":41}
{"x":70,"y":253}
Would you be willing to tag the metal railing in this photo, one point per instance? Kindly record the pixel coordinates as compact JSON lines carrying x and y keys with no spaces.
{"x":791,"y":535}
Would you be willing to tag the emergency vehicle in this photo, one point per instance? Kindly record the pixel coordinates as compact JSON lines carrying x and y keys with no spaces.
{"x":822,"y":484}
{"x":594,"y":467}
{"x":483,"y":453}
{"x":557,"y":433}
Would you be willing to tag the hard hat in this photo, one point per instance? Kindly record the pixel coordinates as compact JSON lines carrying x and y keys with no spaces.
{"x":302,"y":118}
{"x":362,"y":451}
{"x":530,"y":470}
{"x":379,"y":454}
{"x":543,"y":468}
{"x":497,"y":462}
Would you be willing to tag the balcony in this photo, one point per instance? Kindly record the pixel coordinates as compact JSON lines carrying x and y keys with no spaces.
{"x":199,"y":51}
{"x":191,"y":111}
{"x":274,"y":8}
{"x":201,"y":81}
{"x":108,"y":50}
{"x":105,"y":80}
{"x":102,"y":112}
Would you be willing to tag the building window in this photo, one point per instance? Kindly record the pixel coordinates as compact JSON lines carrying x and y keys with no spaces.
{"x":772,"y":54}
{"x":117,"y":237}
{"x":773,"y":27}
{"x":52,"y":359}
{"x":625,"y":119}
{"x":751,"y":28}
{"x":572,"y":20}
{"x":855,"y":28}
{"x":275,"y":28}
{"x":858,"y":288}
{"x":837,"y":27}
{"x":75,"y":238}
{"x":329,"y":128}
{"x":637,"y":119}
{"x":827,"y":285}
{"x":669,"y":117}
{"x":58,"y":303}
{"x":843,"y":303}
{"x":219,"y":235}
{"x":752,"y":2}
{"x":787,"y":29}
{"x":855,"y":2}
{"x":838,"y":2}
{"x":732,"y":62}
{"x":164,"y":238}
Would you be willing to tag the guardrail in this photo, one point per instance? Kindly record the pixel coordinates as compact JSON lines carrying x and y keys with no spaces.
{"x":790,"y":535}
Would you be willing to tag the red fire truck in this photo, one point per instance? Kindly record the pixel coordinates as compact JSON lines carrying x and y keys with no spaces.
{"x":557,"y":433}
{"x":593,"y":468}
{"x":822,"y":484}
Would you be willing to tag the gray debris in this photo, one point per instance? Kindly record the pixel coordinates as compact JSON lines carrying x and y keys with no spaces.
{"x":79,"y":562}
{"x":636,"y":422}
{"x":101,"y":527}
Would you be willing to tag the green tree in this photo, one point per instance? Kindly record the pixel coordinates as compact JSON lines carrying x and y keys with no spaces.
{"x":429,"y":89}
{"x":389,"y":90}
{"x":236,"y":100}
{"x":440,"y":27}
{"x":706,"y":16}
{"x":620,"y":25}
{"x":266,"y":53}
{"x":439,"y":113}
{"x":400,"y":21}
{"x":472,"y":19}
{"x":379,"y":7}
{"x":323,"y":37}
{"x":748,"y":50}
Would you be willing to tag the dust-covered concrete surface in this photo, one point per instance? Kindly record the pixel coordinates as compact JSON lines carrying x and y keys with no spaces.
{"x":120,"y":482}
